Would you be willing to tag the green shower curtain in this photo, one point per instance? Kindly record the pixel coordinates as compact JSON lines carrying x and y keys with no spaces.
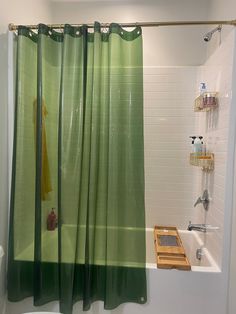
{"x":78,"y":148}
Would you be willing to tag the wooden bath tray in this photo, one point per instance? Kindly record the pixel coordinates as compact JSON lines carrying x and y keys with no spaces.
{"x":169,"y":249}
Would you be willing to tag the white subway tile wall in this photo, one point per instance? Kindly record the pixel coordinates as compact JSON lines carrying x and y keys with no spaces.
{"x":214,"y":126}
{"x":171,"y":184}
{"x":169,"y":120}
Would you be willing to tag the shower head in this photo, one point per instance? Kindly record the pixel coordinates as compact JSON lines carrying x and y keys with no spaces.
{"x":208,"y":36}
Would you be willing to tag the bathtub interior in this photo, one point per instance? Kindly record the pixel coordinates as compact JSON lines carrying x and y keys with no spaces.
{"x":191,"y":242}
{"x":129,"y":256}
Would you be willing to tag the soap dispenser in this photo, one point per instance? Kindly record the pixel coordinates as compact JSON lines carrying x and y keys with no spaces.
{"x":199,"y":103}
{"x":203,"y":148}
{"x":192,"y":143}
{"x":197,"y":146}
{"x":202,"y":88}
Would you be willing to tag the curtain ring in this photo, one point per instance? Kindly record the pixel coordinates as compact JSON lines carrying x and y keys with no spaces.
{"x":137,"y":28}
{"x":106,"y":27}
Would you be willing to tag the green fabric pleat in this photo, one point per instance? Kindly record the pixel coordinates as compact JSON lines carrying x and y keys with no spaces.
{"x":91,"y":87}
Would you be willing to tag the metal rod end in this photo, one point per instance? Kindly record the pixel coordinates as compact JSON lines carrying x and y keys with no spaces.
{"x":11,"y":27}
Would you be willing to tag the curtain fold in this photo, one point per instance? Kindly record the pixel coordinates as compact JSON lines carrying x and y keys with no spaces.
{"x":86,"y":161}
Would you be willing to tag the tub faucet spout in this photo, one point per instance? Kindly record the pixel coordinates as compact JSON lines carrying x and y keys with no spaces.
{"x":201,"y":227}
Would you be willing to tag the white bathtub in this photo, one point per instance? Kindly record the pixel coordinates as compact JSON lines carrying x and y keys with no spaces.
{"x":199,"y":291}
{"x":191,"y":242}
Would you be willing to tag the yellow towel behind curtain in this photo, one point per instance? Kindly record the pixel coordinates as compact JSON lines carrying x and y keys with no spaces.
{"x":46,"y":186}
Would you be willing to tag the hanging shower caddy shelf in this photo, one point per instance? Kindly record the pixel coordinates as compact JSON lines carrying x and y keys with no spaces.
{"x":206,"y":162}
{"x":206,"y":102}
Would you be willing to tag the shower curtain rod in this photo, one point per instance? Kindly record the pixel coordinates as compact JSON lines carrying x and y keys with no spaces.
{"x":13,"y":27}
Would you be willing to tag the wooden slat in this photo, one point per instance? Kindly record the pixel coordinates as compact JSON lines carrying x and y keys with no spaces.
{"x":169,"y":257}
{"x":170,"y":249}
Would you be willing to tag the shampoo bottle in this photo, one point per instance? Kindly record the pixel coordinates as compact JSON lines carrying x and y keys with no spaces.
{"x":203,"y":90}
{"x":192,"y":143}
{"x":52,"y":220}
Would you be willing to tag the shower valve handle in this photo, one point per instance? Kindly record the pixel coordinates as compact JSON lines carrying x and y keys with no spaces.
{"x":204,"y":200}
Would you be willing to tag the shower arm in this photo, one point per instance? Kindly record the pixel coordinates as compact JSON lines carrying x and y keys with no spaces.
{"x":13,"y":27}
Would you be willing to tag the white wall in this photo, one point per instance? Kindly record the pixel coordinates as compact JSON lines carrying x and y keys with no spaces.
{"x":219,"y":9}
{"x":162,"y":46}
{"x":222,"y":9}
{"x":214,"y":126}
{"x":232,"y":264}
{"x":23,"y":12}
{"x":169,"y":120}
